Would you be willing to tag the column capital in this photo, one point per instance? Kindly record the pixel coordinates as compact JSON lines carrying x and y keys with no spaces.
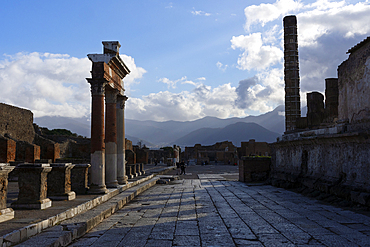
{"x":111,"y":96}
{"x":97,"y":86}
{"x":121,"y":100}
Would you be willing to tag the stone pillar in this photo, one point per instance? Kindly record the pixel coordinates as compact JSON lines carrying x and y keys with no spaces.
{"x":120,"y":112}
{"x":59,"y":182}
{"x":315,"y":108}
{"x":111,"y":138}
{"x":291,"y":73}
{"x":331,"y":99}
{"x":97,"y":185}
{"x":5,"y":213}
{"x":128,"y":169}
{"x":32,"y":182}
{"x":133,"y":170}
{"x":142,"y":170}
{"x":79,"y":178}
{"x":138,"y":172}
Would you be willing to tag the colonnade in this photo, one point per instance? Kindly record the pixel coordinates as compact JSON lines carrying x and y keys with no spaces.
{"x":107,"y":119}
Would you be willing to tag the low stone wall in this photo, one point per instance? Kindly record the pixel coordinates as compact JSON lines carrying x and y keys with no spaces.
{"x":254,"y":169}
{"x":335,"y":164}
{"x":7,"y":150}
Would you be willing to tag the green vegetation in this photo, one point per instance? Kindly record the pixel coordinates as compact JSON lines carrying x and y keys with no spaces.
{"x":61,"y":132}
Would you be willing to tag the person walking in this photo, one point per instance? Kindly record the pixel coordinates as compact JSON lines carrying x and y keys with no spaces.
{"x":182,"y":167}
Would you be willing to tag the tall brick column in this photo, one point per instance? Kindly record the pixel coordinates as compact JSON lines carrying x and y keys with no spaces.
{"x":121,"y":161}
{"x":111,"y":138}
{"x":291,"y":73}
{"x":97,"y":185}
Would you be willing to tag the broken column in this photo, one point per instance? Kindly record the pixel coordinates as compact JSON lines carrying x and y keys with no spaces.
{"x":291,"y":73}
{"x":59,"y":182}
{"x":111,"y":138}
{"x":315,"y":109}
{"x":5,"y":213}
{"x":331,"y":99}
{"x":32,"y":183}
{"x":121,"y":161}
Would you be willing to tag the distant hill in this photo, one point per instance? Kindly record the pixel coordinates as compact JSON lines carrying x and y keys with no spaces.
{"x":166,"y":132}
{"x":235,"y":133}
{"x":157,"y":134}
{"x":80,"y":126}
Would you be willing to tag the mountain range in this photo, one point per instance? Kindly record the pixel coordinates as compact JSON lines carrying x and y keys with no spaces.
{"x":207,"y":130}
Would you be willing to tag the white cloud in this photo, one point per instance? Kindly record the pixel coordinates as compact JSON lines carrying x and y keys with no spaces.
{"x":202,"y":101}
{"x":326,"y":30}
{"x":265,"y":13}
{"x":255,"y":54}
{"x":220,"y":66}
{"x":200,"y":12}
{"x":135,"y":72}
{"x":51,"y":84}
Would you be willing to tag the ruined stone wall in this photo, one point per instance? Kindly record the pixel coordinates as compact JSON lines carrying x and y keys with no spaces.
{"x":16,"y":123}
{"x":336,"y":164}
{"x":354,"y":85}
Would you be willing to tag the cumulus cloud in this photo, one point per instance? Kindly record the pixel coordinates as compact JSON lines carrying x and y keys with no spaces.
{"x":51,"y":84}
{"x":261,"y":92}
{"x":326,"y":30}
{"x":135,"y":72}
{"x":202,"y":101}
{"x":255,"y":54}
{"x":264,"y":13}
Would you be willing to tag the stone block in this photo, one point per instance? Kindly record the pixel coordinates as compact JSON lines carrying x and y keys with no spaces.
{"x":253,"y":169}
{"x":32,"y":183}
{"x":59,"y":182}
{"x":79,"y":178}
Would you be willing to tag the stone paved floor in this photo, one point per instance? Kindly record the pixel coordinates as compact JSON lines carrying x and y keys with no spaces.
{"x":194,"y":212}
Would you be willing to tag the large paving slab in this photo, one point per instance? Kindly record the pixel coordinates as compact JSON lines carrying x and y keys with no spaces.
{"x":210,"y":212}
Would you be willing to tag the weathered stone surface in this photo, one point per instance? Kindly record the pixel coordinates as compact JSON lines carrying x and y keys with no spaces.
{"x":59,"y":182}
{"x":16,"y":123}
{"x":79,"y":178}
{"x":32,"y":182}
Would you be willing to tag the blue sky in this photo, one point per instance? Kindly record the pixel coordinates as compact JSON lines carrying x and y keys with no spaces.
{"x":189,"y":59}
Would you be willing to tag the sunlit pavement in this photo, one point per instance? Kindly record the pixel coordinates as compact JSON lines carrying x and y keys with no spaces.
{"x":210,"y":212}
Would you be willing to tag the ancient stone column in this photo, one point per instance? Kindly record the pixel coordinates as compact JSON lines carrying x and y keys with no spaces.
{"x":331,"y":98}
{"x":97,"y":185}
{"x":5,"y":213}
{"x":111,"y":138}
{"x":32,"y":182}
{"x":121,"y":161}
{"x":291,"y":73}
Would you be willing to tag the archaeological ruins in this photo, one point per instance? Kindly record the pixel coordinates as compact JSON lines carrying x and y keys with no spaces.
{"x":327,"y":150}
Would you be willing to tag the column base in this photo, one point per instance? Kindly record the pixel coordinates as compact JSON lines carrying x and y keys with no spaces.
{"x":6,"y":214}
{"x":122,"y":180}
{"x":46,"y":203}
{"x":112,"y":185}
{"x":64,"y":197}
{"x":94,"y":189}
